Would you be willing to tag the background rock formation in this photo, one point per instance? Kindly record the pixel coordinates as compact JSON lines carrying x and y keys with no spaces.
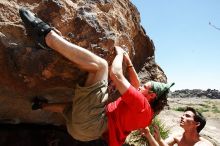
{"x":27,"y":70}
{"x":210,"y":93}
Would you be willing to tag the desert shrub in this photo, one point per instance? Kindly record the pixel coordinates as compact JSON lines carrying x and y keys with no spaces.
{"x":180,"y":109}
{"x":164,"y":131}
{"x":215,"y":109}
{"x":205,"y":105}
{"x":136,"y":139}
{"x":202,"y":110}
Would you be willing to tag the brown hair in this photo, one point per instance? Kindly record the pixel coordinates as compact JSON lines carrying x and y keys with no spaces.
{"x":159,"y":103}
{"x":198,"y":117}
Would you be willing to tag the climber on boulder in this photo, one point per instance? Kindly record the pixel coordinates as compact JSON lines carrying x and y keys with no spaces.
{"x":91,"y":116}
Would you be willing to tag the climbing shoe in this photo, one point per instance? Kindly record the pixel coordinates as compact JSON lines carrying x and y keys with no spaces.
{"x":38,"y":29}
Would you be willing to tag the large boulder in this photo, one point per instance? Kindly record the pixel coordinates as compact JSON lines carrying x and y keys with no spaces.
{"x":27,"y":70}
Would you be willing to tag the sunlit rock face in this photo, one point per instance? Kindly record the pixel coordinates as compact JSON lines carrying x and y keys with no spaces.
{"x":27,"y":70}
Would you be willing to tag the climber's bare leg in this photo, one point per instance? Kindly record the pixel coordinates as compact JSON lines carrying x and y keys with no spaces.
{"x":86,"y":60}
{"x":54,"y":107}
{"x":46,"y":36}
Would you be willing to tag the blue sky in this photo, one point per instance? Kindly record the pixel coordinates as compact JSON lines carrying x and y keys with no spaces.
{"x":187,"y":46}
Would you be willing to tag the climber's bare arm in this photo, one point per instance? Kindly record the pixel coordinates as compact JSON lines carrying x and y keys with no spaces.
{"x":116,"y":73}
{"x":132,"y":74}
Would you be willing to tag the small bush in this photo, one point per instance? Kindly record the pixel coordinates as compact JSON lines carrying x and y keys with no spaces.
{"x":215,"y":109}
{"x":180,"y":109}
{"x":164,"y":131}
{"x":136,"y":139}
{"x":202,"y":110}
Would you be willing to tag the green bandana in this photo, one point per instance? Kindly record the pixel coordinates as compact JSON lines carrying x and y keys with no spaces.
{"x":160,"y":88}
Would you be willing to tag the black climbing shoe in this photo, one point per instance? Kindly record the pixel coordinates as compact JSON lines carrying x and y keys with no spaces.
{"x":38,"y":28}
{"x":37,"y":102}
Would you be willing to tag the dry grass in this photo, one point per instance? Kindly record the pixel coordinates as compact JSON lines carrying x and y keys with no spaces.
{"x":210,"y":108}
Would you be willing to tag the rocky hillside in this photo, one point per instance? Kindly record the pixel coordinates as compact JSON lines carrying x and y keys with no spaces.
{"x":210,"y":93}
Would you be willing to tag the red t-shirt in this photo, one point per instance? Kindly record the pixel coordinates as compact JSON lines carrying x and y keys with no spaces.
{"x":129,"y":112}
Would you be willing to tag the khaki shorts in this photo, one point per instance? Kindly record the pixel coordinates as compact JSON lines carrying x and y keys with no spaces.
{"x":86,"y":119}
